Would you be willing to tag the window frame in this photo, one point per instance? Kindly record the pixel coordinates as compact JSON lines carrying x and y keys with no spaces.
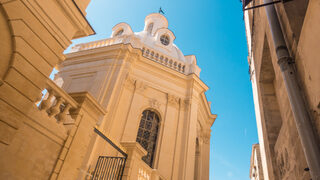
{"x":158,"y":133}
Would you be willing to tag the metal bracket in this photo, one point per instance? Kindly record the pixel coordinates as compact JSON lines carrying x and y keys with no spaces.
{"x":266,"y":4}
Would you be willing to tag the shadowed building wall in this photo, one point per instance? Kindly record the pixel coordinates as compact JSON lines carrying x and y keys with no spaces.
{"x":280,"y":146}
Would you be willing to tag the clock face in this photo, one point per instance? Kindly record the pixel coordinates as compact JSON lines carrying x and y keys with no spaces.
{"x":165,"y":40}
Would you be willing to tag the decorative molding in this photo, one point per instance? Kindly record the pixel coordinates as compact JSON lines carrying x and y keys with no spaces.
{"x":173,"y":100}
{"x":154,"y":103}
{"x":205,"y":135}
{"x":140,"y":86}
{"x":185,"y":104}
{"x":129,"y":82}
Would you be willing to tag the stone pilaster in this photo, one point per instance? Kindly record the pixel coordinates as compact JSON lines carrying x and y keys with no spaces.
{"x":191,"y":140}
{"x":169,"y":126}
{"x":133,"y":119}
{"x":204,"y":144}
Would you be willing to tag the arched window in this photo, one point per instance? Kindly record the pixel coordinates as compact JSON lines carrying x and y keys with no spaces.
{"x":148,"y":133}
{"x":150,"y":27}
{"x":119,"y":33}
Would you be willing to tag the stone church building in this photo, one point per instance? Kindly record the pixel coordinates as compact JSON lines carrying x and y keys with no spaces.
{"x":128,"y":107}
{"x":288,"y":150}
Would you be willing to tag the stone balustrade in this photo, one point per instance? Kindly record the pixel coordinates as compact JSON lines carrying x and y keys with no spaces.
{"x":57,"y":103}
{"x":96,"y":44}
{"x":164,"y":60}
{"x":146,"y":52}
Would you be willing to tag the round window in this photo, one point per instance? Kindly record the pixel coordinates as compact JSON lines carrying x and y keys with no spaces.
{"x":165,"y":40}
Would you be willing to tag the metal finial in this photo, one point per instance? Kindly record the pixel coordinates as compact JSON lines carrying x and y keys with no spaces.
{"x":161,"y":11}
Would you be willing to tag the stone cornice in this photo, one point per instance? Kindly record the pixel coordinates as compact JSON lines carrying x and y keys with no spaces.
{"x":198,"y":82}
{"x":134,"y":148}
{"x":210,"y":117}
{"x":111,"y":51}
{"x":86,"y":100}
{"x":75,"y":14}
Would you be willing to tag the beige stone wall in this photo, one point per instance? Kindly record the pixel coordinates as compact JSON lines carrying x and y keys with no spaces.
{"x":125,"y":83}
{"x":105,"y":88}
{"x":282,"y":147}
{"x":34,"y":35}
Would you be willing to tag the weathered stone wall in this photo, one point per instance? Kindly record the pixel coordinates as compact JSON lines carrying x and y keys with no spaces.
{"x":284,"y":154}
{"x":34,"y":35}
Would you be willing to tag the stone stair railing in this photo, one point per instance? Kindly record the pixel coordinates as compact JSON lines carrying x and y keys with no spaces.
{"x":57,"y":103}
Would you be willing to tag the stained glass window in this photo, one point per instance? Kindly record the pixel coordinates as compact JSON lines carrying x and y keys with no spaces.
{"x":148,"y":133}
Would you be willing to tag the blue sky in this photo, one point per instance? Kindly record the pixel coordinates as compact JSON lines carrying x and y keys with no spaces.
{"x":213,"y":30}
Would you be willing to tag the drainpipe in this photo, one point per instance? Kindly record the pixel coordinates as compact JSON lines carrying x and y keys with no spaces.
{"x":302,"y":119}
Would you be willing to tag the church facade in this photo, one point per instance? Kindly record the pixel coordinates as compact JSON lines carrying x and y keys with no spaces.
{"x":153,"y":98}
{"x":131,"y":106}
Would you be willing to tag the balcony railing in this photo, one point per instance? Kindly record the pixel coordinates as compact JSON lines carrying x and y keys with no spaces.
{"x":97,"y":44}
{"x":109,"y":168}
{"x":149,"y":53}
{"x":160,"y":58}
{"x":57,"y":103}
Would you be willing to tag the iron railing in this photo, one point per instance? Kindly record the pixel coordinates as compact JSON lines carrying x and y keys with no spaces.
{"x":109,"y":167}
